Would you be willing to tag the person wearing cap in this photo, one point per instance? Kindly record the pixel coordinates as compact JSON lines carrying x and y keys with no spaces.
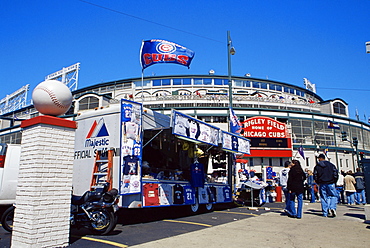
{"x":326,"y":175}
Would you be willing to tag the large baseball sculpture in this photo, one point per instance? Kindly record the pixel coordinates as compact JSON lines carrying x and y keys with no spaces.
{"x":52,"y":97}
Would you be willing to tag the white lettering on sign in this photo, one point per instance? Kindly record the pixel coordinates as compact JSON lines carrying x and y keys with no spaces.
{"x":253,"y":134}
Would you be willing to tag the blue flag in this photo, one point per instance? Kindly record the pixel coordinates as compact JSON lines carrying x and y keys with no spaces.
{"x":235,"y":125}
{"x":162,"y":51}
{"x":301,"y":152}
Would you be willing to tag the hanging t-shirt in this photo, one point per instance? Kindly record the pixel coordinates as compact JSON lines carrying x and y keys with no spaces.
{"x":130,"y":164}
{"x":203,"y":195}
{"x":165,"y":194}
{"x":127,"y":148}
{"x":227,"y":194}
{"x":178,"y":194}
{"x":212,"y":194}
{"x":126,"y":112}
{"x":197,"y":174}
{"x":131,"y":130}
{"x":189,"y":195}
{"x":151,"y":197}
{"x":235,"y":143}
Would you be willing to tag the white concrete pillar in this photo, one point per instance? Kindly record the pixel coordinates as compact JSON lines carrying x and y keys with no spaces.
{"x":45,"y":183}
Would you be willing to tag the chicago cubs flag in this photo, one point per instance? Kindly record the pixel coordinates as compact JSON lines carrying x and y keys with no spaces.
{"x":235,"y":125}
{"x":162,"y":51}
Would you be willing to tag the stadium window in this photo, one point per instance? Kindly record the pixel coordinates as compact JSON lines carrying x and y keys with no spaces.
{"x":299,"y":93}
{"x":186,"y":81}
{"x":339,"y":108}
{"x":247,"y":83}
{"x":207,"y":81}
{"x":263,"y":85}
{"x":220,"y":119}
{"x":275,"y":87}
{"x":147,"y":83}
{"x":157,"y":82}
{"x":138,"y":84}
{"x":176,"y":81}
{"x":256,"y":85}
{"x":205,"y":118}
{"x":88,"y":103}
{"x":288,"y":90}
{"x":239,"y":83}
{"x":166,"y":82}
{"x":218,"y":81}
{"x":198,"y":81}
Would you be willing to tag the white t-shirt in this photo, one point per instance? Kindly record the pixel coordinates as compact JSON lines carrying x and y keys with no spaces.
{"x":283,"y":176}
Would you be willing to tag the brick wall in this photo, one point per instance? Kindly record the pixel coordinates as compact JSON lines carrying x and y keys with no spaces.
{"x":44,"y":187}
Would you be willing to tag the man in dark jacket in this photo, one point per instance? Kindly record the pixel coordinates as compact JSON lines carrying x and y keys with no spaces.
{"x":326,"y":175}
{"x":360,"y":187}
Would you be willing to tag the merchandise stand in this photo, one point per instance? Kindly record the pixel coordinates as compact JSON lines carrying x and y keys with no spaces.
{"x":158,"y":160}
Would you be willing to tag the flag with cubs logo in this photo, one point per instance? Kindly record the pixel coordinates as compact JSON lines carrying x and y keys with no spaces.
{"x":162,"y":51}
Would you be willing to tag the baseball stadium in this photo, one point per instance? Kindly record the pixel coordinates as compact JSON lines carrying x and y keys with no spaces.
{"x":313,"y":125}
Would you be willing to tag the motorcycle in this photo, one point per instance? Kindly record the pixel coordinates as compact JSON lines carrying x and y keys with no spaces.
{"x":95,"y":210}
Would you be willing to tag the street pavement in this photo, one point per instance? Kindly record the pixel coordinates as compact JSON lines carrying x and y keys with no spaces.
{"x":275,"y":229}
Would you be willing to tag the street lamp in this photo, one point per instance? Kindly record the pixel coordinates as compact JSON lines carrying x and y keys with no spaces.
{"x":230,"y":51}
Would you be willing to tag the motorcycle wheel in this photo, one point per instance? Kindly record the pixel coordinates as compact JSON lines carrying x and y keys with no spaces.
{"x":104,"y":221}
{"x":7,"y":219}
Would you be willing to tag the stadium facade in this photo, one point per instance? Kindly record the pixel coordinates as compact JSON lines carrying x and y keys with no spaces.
{"x":305,"y":114}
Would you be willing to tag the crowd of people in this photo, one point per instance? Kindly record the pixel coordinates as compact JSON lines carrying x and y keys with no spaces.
{"x":325,"y":184}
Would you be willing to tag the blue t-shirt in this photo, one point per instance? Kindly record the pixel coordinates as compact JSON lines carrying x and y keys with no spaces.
{"x":197,"y":175}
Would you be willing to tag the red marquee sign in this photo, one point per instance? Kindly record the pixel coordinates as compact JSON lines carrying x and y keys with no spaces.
{"x":269,"y":137}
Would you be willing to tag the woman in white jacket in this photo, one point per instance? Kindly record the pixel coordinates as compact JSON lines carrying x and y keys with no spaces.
{"x":349,"y":188}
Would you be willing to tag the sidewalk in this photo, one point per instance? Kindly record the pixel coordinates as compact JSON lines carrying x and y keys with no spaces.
{"x":277,"y":230}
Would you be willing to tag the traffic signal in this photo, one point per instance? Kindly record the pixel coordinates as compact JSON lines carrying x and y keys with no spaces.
{"x":355,"y":141}
{"x":361,"y":155}
{"x":344,"y":135}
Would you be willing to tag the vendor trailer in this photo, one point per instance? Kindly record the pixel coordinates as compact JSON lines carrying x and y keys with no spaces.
{"x":157,"y":160}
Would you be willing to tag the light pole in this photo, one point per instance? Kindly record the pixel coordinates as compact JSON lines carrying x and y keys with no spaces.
{"x":230,"y":51}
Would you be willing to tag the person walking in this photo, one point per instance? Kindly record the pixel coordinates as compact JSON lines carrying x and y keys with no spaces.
{"x":360,"y":187}
{"x":340,"y":190}
{"x":326,"y":176}
{"x":295,"y":187}
{"x":311,"y":188}
{"x":350,"y":188}
{"x":283,"y":179}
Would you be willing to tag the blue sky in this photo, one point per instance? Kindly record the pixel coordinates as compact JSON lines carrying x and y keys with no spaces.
{"x":285,"y":41}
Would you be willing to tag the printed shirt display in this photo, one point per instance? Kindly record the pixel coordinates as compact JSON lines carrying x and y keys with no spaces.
{"x":131,"y":163}
{"x":197,"y":174}
{"x":151,"y":197}
{"x":189,"y":195}
{"x":178,"y":194}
